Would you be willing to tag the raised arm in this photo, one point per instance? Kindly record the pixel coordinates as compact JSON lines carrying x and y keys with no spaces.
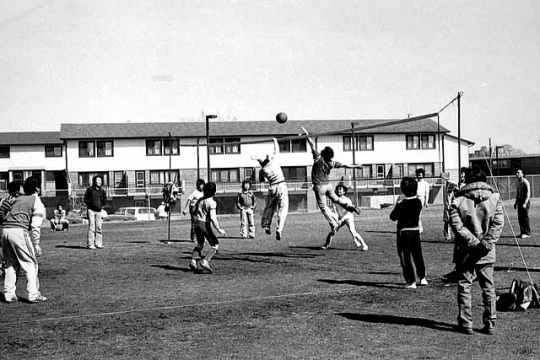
{"x":309,"y":140}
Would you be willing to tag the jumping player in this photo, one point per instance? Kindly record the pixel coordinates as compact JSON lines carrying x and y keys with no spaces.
{"x":190,"y":206}
{"x":278,"y":193}
{"x":205,"y":215}
{"x":322,"y":165}
{"x":345,"y":217}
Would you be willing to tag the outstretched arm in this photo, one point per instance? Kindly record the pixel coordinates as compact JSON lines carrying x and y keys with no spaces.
{"x":309,"y":140}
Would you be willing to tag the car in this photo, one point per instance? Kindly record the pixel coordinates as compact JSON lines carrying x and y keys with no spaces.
{"x":134,"y":213}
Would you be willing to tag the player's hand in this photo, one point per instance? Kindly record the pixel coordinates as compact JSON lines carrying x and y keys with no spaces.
{"x":38,"y":250}
{"x":184,"y":212}
{"x":524,"y":206}
{"x":305,"y":131}
{"x":222,"y":232}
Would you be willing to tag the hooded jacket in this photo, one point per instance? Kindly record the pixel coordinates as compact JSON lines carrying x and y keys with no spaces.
{"x":95,"y":197}
{"x":476,"y":214}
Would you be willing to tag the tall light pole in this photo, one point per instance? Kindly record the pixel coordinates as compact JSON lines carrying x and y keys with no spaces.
{"x":208,"y":117}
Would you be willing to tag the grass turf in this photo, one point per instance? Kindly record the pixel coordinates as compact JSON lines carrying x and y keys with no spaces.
{"x":137,"y":299}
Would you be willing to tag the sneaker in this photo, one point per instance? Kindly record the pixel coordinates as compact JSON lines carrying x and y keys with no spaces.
{"x":411,"y":286}
{"x":525,"y":236}
{"x":325,"y":246}
{"x":205,"y":265}
{"x":40,"y":298}
{"x":488,"y":330}
{"x":267,"y":230}
{"x":364,"y":248}
{"x":465,"y":330}
{"x":193,"y":265}
{"x":10,"y":299}
{"x":252,"y":236}
{"x":424,"y":282}
{"x":278,"y":235}
{"x":99,"y":247}
{"x":91,"y":247}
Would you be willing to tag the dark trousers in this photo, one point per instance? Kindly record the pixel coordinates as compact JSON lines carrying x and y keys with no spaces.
{"x":523,"y":218}
{"x":409,"y":249}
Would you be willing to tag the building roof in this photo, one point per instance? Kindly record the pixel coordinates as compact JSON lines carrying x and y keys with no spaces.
{"x":246,"y":128}
{"x":31,"y":138}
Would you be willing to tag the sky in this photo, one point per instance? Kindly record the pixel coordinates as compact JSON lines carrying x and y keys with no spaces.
{"x":105,"y":61}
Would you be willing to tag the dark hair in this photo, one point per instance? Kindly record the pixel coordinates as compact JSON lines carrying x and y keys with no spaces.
{"x":345,"y":189}
{"x":13,"y":188}
{"x":420,"y":171}
{"x":95,"y":178}
{"x":327,"y":153}
{"x":58,"y":205}
{"x":475,"y":174}
{"x":31,"y":185}
{"x":199,"y":182}
{"x":209,"y":189}
{"x":246,"y":182}
{"x":409,"y":186}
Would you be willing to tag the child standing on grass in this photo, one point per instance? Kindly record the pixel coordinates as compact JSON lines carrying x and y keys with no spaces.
{"x":190,"y":206}
{"x":245,"y":202}
{"x":205,"y":215}
{"x":345,"y":217}
{"x":409,"y":248}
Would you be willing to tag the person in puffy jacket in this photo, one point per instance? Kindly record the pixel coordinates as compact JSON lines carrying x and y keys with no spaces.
{"x":95,"y":198}
{"x":477,"y":220}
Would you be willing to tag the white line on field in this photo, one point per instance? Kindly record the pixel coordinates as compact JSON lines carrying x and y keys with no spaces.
{"x":174,"y":307}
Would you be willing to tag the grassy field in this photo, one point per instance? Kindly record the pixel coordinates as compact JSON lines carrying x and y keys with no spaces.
{"x":137,"y":299}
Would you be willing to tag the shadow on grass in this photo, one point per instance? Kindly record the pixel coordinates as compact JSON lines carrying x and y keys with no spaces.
{"x":520,"y":245}
{"x":383,"y":273}
{"x":515,"y":269}
{"x":173,"y":241}
{"x":71,"y":247}
{"x":380,"y":231}
{"x":245,"y":256}
{"x":309,"y":247}
{"x":400,"y":320}
{"x":174,"y":268}
{"x":387,"y":285}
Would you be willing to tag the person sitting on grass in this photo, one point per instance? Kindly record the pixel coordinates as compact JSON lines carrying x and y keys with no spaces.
{"x":407,"y":214}
{"x":205,"y":215}
{"x":345,"y":217}
{"x":59,"y":222}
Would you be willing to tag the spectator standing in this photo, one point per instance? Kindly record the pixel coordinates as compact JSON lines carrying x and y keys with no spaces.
{"x":477,"y":220}
{"x":245,"y":202}
{"x":423,"y":191}
{"x":523,"y":204}
{"x":95,"y":198}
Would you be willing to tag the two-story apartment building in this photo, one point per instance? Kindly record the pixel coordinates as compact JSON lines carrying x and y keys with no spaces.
{"x":136,"y":159}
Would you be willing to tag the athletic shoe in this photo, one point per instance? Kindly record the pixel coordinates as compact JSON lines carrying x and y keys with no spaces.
{"x":278,"y":235}
{"x":488,"y":330}
{"x":205,"y":265}
{"x":267,"y":230}
{"x":325,"y":246}
{"x":193,"y":265}
{"x":424,"y":282}
{"x":525,"y":236}
{"x":465,"y":330}
{"x":99,"y":247}
{"x":364,"y":248}
{"x":91,"y":247}
{"x":252,"y":236}
{"x":40,"y":298}
{"x":11,"y":299}
{"x":411,"y":286}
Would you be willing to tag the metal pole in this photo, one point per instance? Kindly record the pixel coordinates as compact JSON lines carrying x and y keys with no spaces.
{"x":354,"y":163}
{"x":459,"y":129}
{"x":170,"y":166}
{"x":208,"y":117}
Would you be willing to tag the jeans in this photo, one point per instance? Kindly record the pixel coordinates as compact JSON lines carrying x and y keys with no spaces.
{"x":277,"y":198}
{"x":247,"y":226}
{"x":409,"y":250}
{"x":484,"y":272}
{"x":95,"y":237}
{"x":523,"y":218}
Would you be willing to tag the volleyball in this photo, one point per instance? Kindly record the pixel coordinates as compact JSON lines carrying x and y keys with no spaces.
{"x":281,"y":118}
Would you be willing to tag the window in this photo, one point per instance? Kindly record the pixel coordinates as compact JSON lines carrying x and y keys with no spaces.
{"x":4,"y":152}
{"x":364,"y":172}
{"x":381,"y":174}
{"x":428,"y":141}
{"x":153,"y":147}
{"x":160,"y":177}
{"x":416,"y":142}
{"x":140,"y":183}
{"x":428,"y":168}
{"x":295,"y":145}
{"x":222,"y":147}
{"x":4,"y":179}
{"x":85,"y":178}
{"x":248,"y":174}
{"x":363,"y":143}
{"x":225,"y":175}
{"x":105,"y":148}
{"x":295,"y":173}
{"x":167,"y":147}
{"x":53,"y":151}
{"x":501,"y":164}
{"x":413,"y":142}
{"x":86,"y":149}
